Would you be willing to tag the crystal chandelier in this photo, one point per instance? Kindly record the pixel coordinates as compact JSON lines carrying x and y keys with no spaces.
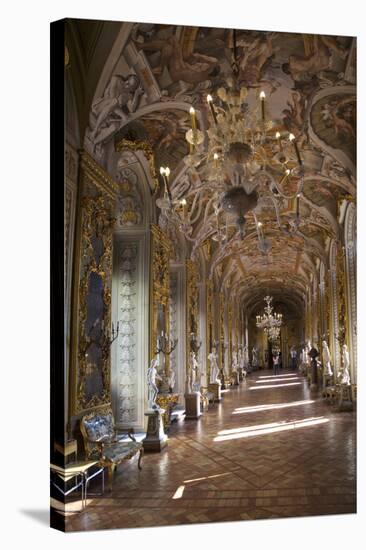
{"x":242,"y":163}
{"x":270,"y":322}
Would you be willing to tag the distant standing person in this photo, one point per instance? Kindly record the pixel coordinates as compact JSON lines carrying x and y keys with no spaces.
{"x":276,"y":359}
{"x":293,"y":355}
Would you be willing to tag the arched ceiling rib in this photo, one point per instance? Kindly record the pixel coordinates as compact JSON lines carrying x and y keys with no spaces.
{"x":310,"y":85}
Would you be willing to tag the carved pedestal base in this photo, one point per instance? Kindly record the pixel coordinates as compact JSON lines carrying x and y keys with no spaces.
{"x":193,"y":405}
{"x":328,"y":380}
{"x":155,"y":439}
{"x":225,"y":382}
{"x":215,"y":388}
{"x":345,"y":398}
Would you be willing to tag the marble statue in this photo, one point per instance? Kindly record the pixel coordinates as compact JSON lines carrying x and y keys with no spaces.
{"x":240,"y":358}
{"x":188,"y":389}
{"x":246,"y":358}
{"x":195,"y":370}
{"x":254,"y":358}
{"x":152,"y":376}
{"x":192,"y":373}
{"x":234,"y":364}
{"x":171,"y":380}
{"x":307,"y":351}
{"x":326,"y":359}
{"x":214,"y":369}
{"x":344,"y":375}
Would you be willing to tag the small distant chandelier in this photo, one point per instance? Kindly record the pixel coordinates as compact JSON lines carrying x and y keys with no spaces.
{"x":242,"y":162}
{"x":270,"y":322}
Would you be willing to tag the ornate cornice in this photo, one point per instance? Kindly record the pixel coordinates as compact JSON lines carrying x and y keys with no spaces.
{"x":99,"y":177}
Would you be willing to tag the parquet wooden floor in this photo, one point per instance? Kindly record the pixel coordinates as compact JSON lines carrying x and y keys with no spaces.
{"x":271,"y":449}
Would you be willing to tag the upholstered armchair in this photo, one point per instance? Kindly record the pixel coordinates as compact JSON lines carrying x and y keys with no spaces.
{"x":102,"y":441}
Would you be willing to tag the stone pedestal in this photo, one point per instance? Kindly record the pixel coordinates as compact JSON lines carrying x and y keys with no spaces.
{"x":223,"y":381}
{"x":155,"y":439}
{"x":235,"y":378}
{"x":193,"y":405}
{"x":167,"y":401}
{"x":215,"y":388}
{"x":345,"y":398}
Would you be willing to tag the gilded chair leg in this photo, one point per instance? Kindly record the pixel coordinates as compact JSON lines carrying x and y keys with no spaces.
{"x":111,"y":469}
{"x":140,"y":458}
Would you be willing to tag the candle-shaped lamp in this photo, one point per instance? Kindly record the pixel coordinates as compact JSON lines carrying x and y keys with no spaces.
{"x":212,"y":108}
{"x":262,"y":96}
{"x":278,"y":137}
{"x":259,"y":225}
{"x":192,"y":112}
{"x":285,"y":176}
{"x":216,"y":158}
{"x":167,"y":174}
{"x":162,"y":173}
{"x":291,"y":137}
{"x":298,"y":205}
{"x":183,"y":202}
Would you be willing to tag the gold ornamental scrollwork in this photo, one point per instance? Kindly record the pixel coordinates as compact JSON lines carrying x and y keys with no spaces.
{"x":92,"y":289}
{"x":145,"y":148}
{"x":222,"y":330}
{"x":161,"y":250}
{"x":192,"y":297}
{"x":209,"y":323}
{"x":230,"y":333}
{"x":341,"y":296}
{"x":327,"y":308}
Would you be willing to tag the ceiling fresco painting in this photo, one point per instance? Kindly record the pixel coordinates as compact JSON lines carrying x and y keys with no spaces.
{"x":309,"y":82}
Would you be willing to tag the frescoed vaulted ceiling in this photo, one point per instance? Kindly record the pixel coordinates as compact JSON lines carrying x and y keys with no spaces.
{"x":155,"y":73}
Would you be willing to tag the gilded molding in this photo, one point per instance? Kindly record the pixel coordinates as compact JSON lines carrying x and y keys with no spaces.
{"x":341,"y":296}
{"x":209,"y":323}
{"x":97,"y":176}
{"x":160,"y":253}
{"x":221,"y":330}
{"x":230,"y":335}
{"x":192,"y":297}
{"x":90,"y":344}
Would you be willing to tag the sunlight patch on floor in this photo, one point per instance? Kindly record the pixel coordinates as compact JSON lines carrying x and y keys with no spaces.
{"x":270,"y":406}
{"x":251,"y":431}
{"x":275,"y":386}
{"x":277,"y":375}
{"x":206,"y":477}
{"x":179,"y":492}
{"x":278,"y":378}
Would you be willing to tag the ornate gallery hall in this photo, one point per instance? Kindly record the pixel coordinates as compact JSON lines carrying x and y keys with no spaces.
{"x":210,"y":351}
